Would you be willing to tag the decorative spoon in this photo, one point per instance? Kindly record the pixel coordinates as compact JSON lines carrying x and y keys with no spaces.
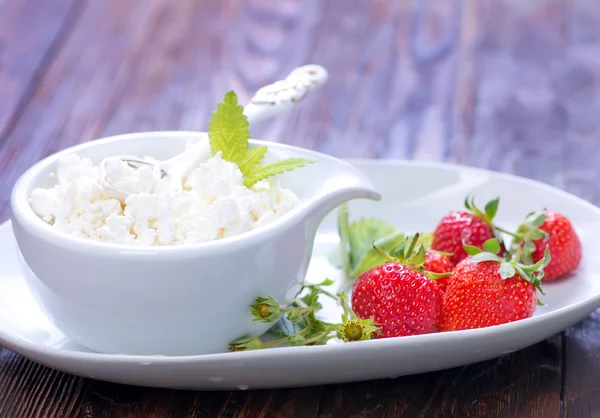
{"x":271,"y":100}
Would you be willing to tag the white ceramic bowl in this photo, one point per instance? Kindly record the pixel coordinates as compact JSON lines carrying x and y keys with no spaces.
{"x":175,"y":300}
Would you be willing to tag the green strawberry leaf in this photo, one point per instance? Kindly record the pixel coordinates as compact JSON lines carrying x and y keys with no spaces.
{"x":335,"y":257}
{"x":228,"y":130}
{"x":326,"y":282}
{"x":539,"y":220}
{"x":472,"y":250}
{"x":343,"y":256}
{"x":507,"y":270}
{"x":478,"y":258}
{"x":257,"y":174}
{"x":372,"y":258}
{"x":419,"y":258}
{"x":492,"y":245}
{"x":362,"y":234}
{"x":491,"y":208}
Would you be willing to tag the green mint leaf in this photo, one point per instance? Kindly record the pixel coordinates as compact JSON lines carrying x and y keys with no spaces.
{"x":252,"y":159}
{"x":492,"y":245}
{"x":372,"y":258}
{"x":279,"y":167}
{"x":228,"y":130}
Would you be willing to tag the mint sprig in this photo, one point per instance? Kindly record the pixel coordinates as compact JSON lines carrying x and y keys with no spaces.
{"x":229,"y":132}
{"x":258,"y":173}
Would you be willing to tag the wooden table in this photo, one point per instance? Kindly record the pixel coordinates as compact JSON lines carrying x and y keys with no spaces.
{"x":510,"y":85}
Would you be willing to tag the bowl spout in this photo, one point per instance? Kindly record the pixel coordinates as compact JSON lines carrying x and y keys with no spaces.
{"x":336,"y":184}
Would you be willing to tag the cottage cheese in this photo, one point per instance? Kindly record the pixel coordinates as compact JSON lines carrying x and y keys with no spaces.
{"x":212,"y":204}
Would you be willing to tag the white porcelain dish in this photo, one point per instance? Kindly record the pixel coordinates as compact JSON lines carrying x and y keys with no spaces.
{"x":411,"y":206}
{"x":180,"y":299}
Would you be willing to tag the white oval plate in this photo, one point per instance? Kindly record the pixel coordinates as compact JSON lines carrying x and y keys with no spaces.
{"x":415,"y":196}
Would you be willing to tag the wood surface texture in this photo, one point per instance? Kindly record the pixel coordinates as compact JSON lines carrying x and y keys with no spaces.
{"x":510,"y":85}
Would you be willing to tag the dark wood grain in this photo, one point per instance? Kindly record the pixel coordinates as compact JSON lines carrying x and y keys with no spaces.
{"x":510,"y":85}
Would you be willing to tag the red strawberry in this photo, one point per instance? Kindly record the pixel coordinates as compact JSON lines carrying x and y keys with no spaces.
{"x":555,"y":231}
{"x":472,"y":227}
{"x":399,"y":295}
{"x":401,"y":300}
{"x":485,"y":290}
{"x":436,"y":262}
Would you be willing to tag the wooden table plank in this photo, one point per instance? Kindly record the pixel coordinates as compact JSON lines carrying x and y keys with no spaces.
{"x":517,"y":385}
{"x":478,"y":82}
{"x":24,"y":53}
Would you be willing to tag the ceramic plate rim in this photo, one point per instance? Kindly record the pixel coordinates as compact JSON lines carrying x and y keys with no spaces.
{"x":20,"y":345}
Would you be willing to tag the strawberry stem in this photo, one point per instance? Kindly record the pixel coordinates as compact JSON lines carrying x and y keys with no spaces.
{"x":284,"y":340}
{"x":512,"y":234}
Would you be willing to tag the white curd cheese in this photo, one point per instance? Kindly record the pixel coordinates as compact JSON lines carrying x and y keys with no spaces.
{"x":212,"y":203}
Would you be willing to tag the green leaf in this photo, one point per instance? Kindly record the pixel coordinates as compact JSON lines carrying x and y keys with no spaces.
{"x":506,"y":270}
{"x":536,"y":234}
{"x":260,"y":173}
{"x":491,"y":208}
{"x":539,"y":220}
{"x":344,"y":233}
{"x":411,"y":246}
{"x":362,"y":234}
{"x":296,"y":340}
{"x":252,"y":159}
{"x":468,"y":204}
{"x":372,"y":258}
{"x":436,"y":276}
{"x":541,"y":264}
{"x":419,"y":258}
{"x":425,"y":240}
{"x":492,"y":245}
{"x":529,"y":247}
{"x":471,"y":250}
{"x":312,"y":299}
{"x":531,"y":278}
{"x":228,"y":130}
{"x":478,"y":258}
{"x":326,"y":282}
{"x":400,"y":251}
{"x":335,"y":258}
